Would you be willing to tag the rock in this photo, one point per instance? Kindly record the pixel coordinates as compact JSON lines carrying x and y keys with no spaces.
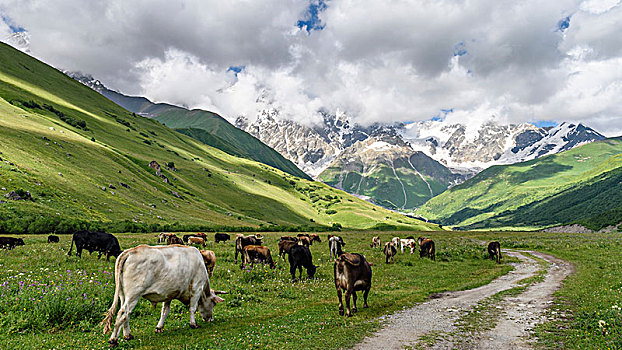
{"x":155,"y":166}
{"x":111,"y":186}
{"x":60,"y":174}
{"x":124,"y":185}
{"x":15,"y":196}
{"x":176,"y":194}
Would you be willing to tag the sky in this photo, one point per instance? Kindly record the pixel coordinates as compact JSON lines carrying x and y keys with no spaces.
{"x":376,"y":61}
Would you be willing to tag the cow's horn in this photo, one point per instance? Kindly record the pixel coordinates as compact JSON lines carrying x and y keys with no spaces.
{"x":220,"y":292}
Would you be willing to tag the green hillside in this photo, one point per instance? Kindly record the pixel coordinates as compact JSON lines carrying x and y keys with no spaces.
{"x":217,"y":132}
{"x":582,"y":185}
{"x":83,"y":158}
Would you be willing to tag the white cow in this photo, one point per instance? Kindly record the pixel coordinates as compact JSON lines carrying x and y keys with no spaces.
{"x":407,"y":243}
{"x":159,"y":274}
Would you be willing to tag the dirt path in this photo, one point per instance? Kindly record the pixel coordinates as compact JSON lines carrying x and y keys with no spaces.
{"x":437,"y":323}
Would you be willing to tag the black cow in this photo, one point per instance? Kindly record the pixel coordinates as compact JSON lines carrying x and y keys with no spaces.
{"x":221,"y":237}
{"x":299,"y":257}
{"x":494,"y":250}
{"x":101,"y":242}
{"x":53,"y":239}
{"x":9,"y":242}
{"x":242,"y":242}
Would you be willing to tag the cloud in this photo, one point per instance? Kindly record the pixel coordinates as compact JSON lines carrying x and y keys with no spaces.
{"x":376,"y":61}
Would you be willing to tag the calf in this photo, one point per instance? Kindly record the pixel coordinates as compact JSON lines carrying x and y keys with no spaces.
{"x":9,"y":242}
{"x":209,"y":258}
{"x":53,"y":239}
{"x":389,"y":251}
{"x":299,"y":257}
{"x":197,"y":241}
{"x":494,"y":250}
{"x":285,"y":247}
{"x":256,"y":253}
{"x":335,"y":243}
{"x":426,"y":248}
{"x":221,"y":237}
{"x":101,"y":242}
{"x":241,"y":242}
{"x":352,"y":274}
{"x":159,"y":274}
{"x":375,"y":242}
{"x":173,"y":239}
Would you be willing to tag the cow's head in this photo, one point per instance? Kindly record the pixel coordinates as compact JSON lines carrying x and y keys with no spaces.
{"x":311,"y":271}
{"x":19,"y":242}
{"x":207,"y":302}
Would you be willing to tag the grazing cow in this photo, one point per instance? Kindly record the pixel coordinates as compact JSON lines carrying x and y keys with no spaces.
{"x":159,"y":274}
{"x":101,"y":242}
{"x":256,"y":253}
{"x":173,"y":239}
{"x":406,"y":243}
{"x":396,"y":241}
{"x":162,"y":237}
{"x":412,"y":244}
{"x":375,"y":242}
{"x":335,"y":243}
{"x":209,"y":258}
{"x":9,"y":242}
{"x":285,"y":247}
{"x":221,"y":237}
{"x":196,"y":240}
{"x":242,"y":242}
{"x":389,"y":251}
{"x":289,"y":238}
{"x":53,"y":239}
{"x":494,"y":250}
{"x":352,"y":274}
{"x":299,"y":257}
{"x":305,"y":241}
{"x":315,"y":237}
{"x":426,"y":248}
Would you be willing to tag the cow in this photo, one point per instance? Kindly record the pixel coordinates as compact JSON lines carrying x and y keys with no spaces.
{"x":352,"y":274}
{"x":242,"y":241}
{"x":389,"y":251}
{"x":256,"y":253}
{"x":162,"y":237}
{"x":408,"y":243}
{"x":173,"y":239}
{"x":185,"y":238}
{"x":426,"y":248}
{"x":159,"y":274}
{"x":209,"y":258}
{"x":197,"y":241}
{"x":299,"y":257}
{"x":53,"y":239}
{"x":375,"y":242}
{"x":285,"y":247}
{"x":315,"y":237}
{"x":101,"y":242}
{"x":202,"y":235}
{"x":412,"y":244}
{"x":303,"y":235}
{"x":396,"y":241}
{"x":221,"y":237}
{"x":305,"y":241}
{"x":494,"y":250}
{"x":289,"y":238}
{"x":335,"y":243}
{"x":9,"y":242}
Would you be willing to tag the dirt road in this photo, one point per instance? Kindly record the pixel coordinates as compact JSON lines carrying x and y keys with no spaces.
{"x":440,"y":322}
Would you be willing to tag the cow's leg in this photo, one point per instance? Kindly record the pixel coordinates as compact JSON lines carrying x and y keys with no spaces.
{"x":292,"y":270}
{"x":348,"y":309}
{"x":340,"y":301}
{"x":194,"y":302}
{"x":236,"y":255}
{"x":166,"y":308}
{"x":365,"y":297}
{"x":122,"y":317}
{"x":354,"y":309}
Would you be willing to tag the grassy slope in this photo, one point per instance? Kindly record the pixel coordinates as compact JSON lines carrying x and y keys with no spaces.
{"x":216,"y":188}
{"x":557,"y":189}
{"x":264,"y":309}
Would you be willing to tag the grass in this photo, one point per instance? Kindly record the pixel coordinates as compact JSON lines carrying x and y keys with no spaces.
{"x":264,"y":308}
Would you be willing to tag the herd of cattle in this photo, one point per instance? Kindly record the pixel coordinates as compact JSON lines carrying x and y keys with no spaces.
{"x":179,"y":271}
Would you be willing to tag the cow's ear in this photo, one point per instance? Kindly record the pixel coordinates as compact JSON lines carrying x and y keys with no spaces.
{"x":217,"y":299}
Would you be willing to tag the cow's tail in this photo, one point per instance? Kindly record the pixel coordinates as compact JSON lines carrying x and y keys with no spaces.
{"x":118,"y":269}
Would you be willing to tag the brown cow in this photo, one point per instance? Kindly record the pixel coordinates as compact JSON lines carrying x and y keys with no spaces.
{"x":162,"y":237}
{"x":285,"y":247}
{"x":305,"y":241}
{"x":256,"y":253}
{"x":494,"y":250}
{"x":315,"y":237}
{"x":209,"y":258}
{"x":197,"y":241}
{"x":352,"y":273}
{"x":375,"y":242}
{"x":389,"y":251}
{"x":426,"y":248}
{"x":242,"y":241}
{"x":173,"y":239}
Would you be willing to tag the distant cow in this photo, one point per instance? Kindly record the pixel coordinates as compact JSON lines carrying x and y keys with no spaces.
{"x":162,"y":237}
{"x":101,"y":242}
{"x":209,"y":258}
{"x":242,"y":241}
{"x":494,"y":250}
{"x":173,"y":239}
{"x":221,"y":237}
{"x":396,"y":242}
{"x":185,"y":238}
{"x":389,"y":251}
{"x":352,"y":274}
{"x":285,"y":247}
{"x":159,"y":274}
{"x":426,"y":248}
{"x":289,"y":238}
{"x":196,"y":240}
{"x":375,"y":242}
{"x":9,"y":243}
{"x":256,"y":253}
{"x":335,"y":243}
{"x":315,"y":237}
{"x":53,"y":239}
{"x":305,"y":241}
{"x":299,"y":257}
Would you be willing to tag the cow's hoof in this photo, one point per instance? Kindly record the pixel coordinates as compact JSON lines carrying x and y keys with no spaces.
{"x":365,"y":306}
{"x":354,"y":310}
{"x":348,"y":315}
{"x":340,"y":312}
{"x":113,"y":343}
{"x":159,"y":330}
{"x":194,"y":326}
{"x":128,"y":337}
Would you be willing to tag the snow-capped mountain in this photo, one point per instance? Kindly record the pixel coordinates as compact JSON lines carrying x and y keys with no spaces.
{"x":19,"y":40}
